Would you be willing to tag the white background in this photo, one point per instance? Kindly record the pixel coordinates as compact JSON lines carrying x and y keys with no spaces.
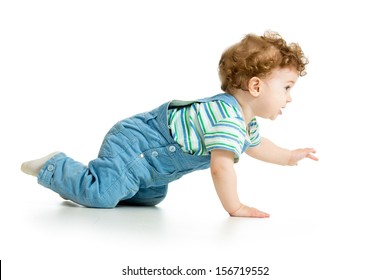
{"x":70,"y":69}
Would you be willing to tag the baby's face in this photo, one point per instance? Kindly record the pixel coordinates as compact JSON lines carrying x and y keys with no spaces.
{"x":275,"y":92}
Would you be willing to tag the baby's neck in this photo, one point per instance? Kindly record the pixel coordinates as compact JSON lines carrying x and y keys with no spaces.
{"x":243,"y":98}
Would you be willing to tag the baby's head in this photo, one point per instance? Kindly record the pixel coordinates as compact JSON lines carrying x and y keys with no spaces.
{"x":258,"y":56}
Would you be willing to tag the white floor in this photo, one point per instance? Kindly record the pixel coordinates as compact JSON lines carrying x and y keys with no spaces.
{"x":316,"y":231}
{"x":70,"y":70}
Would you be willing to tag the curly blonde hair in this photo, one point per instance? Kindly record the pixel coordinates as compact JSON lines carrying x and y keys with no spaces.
{"x":257,"y":56}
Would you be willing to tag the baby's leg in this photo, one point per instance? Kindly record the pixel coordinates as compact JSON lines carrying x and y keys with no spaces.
{"x":101,"y":184}
{"x":33,"y":167}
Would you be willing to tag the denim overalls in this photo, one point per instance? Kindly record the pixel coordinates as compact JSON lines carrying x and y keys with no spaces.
{"x":137,"y":160}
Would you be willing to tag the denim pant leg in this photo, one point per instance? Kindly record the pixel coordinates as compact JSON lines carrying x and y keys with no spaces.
{"x":99,"y":185}
{"x":147,"y":196}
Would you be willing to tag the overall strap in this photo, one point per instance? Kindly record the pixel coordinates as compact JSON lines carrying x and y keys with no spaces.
{"x":227,"y":98}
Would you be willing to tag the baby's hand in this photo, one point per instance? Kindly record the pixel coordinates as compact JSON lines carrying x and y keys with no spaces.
{"x":300,"y":154}
{"x":245,"y":211}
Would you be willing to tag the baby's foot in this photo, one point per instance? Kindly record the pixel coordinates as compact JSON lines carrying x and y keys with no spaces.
{"x":33,"y":167}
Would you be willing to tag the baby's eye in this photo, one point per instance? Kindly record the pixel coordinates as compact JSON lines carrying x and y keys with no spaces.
{"x":287,"y":87}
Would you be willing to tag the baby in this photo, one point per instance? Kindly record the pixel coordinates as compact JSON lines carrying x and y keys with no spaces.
{"x":142,"y":154}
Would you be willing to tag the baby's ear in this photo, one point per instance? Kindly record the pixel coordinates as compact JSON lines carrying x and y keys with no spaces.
{"x":254,"y":86}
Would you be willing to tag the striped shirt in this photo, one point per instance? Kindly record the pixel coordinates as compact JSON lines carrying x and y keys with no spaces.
{"x":200,"y":128}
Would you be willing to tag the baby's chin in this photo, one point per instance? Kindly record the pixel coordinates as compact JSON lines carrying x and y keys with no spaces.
{"x":272,"y":118}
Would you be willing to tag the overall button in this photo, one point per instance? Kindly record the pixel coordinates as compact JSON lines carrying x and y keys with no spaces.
{"x":50,"y":167}
{"x":172,"y":149}
{"x":141,"y":155}
{"x":154,"y":153}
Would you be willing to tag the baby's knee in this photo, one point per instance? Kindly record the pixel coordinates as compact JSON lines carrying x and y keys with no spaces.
{"x":101,"y":203}
{"x":147,"y":197}
{"x":141,"y":201}
{"x":105,"y":205}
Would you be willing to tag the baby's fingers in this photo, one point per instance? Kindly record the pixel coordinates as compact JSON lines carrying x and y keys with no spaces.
{"x":245,"y":211}
{"x":259,"y":214}
{"x":311,"y":156}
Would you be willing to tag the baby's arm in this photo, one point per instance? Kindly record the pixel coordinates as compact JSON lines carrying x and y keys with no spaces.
{"x":225,"y":182}
{"x":269,"y":152}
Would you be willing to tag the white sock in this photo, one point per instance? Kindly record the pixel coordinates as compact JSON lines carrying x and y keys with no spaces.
{"x":33,"y":167}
